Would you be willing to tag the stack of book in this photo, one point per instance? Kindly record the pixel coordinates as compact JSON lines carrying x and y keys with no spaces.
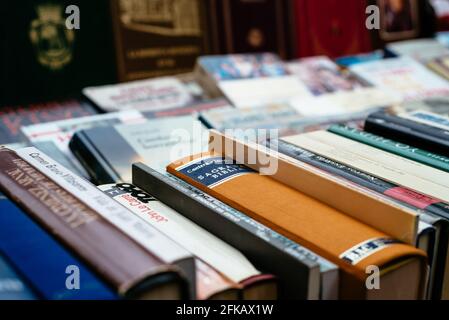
{"x":250,"y":178}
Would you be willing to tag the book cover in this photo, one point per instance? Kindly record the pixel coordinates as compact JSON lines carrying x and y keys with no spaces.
{"x":402,"y":76}
{"x":44,"y":262}
{"x":193,"y":238}
{"x":428,"y":158}
{"x":44,"y":60}
{"x":152,"y":240}
{"x":126,"y":266}
{"x":422,"y":50}
{"x":241,"y":26}
{"x":365,"y":205}
{"x":287,"y":211}
{"x":12,"y":285}
{"x":154,"y":142}
{"x":58,"y":133}
{"x":13,"y":117}
{"x":328,"y":28}
{"x":143,"y":95}
{"x":409,"y":132}
{"x":302,"y":274}
{"x":156,"y":38}
{"x":428,"y":118}
{"x":393,"y":168}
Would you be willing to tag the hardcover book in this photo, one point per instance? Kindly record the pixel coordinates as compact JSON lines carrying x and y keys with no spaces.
{"x":155,"y":38}
{"x":402,"y":76}
{"x":388,"y":216}
{"x":241,"y":26}
{"x":302,"y":274}
{"x":404,"y":268}
{"x":327,"y":28}
{"x":59,"y":133}
{"x":125,"y":265}
{"x":143,"y":95}
{"x":154,"y":142}
{"x":409,"y":132}
{"x":43,"y":59}
{"x":43,"y":261}
{"x":12,"y":285}
{"x":393,"y":168}
{"x":203,"y":245}
{"x":12,"y":118}
{"x":152,"y":240}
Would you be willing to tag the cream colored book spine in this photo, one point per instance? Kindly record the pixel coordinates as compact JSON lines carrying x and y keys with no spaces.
{"x":379,"y":163}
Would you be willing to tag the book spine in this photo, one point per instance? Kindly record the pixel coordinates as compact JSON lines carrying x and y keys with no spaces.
{"x":125,"y":220}
{"x":406,"y":135}
{"x":404,"y":150}
{"x":37,"y":255}
{"x":116,"y":258}
{"x":403,"y":195}
{"x":295,"y":264}
{"x":12,"y":285}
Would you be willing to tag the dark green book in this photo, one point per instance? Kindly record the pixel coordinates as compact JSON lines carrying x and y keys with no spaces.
{"x":428,"y":158}
{"x":42,"y":59}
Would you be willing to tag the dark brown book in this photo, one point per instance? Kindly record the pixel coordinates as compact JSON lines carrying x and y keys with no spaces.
{"x":155,"y":38}
{"x":130,"y":269}
{"x":245,"y":26}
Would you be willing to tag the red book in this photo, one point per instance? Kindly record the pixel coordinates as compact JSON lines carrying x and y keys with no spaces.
{"x":329,"y":27}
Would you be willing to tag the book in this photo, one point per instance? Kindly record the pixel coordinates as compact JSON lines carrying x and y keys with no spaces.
{"x":156,"y":38}
{"x":435,"y":104}
{"x":12,"y":284}
{"x":12,"y":118}
{"x":211,"y":285}
{"x":422,"y":50}
{"x":396,"y":169}
{"x":302,"y":274}
{"x":427,"y":239}
{"x":248,"y":79}
{"x":44,"y":60}
{"x":143,"y":95}
{"x":203,"y":245}
{"x":155,"y":142}
{"x":403,"y":268}
{"x":194,"y":109}
{"x":409,"y":132}
{"x":327,"y":28}
{"x":239,"y":26}
{"x":386,"y":215}
{"x":416,"y":200}
{"x":154,"y":241}
{"x":332,"y":90}
{"x":440,"y":65}
{"x":44,"y":262}
{"x":428,"y":158}
{"x":428,"y":118}
{"x":125,"y":265}
{"x":59,"y":133}
{"x":347,"y":61}
{"x":402,"y":76}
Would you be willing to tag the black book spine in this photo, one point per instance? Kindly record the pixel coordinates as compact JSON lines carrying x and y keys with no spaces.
{"x":407,"y":135}
{"x":92,"y":161}
{"x":401,"y":195}
{"x":270,"y":251}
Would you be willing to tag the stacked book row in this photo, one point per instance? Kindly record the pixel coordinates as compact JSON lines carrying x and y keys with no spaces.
{"x":253,"y":178}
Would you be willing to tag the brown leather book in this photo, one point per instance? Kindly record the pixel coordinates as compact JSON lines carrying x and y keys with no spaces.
{"x":352,"y":245}
{"x":121,"y":262}
{"x":156,"y":38}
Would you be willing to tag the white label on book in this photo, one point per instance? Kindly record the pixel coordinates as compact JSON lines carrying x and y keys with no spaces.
{"x":204,"y":245}
{"x":396,"y":169}
{"x":137,"y":229}
{"x":261,"y":91}
{"x":428,"y":118}
{"x":143,"y":95}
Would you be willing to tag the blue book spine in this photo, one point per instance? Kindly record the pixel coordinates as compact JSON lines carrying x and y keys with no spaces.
{"x":12,"y":285}
{"x":49,"y":268}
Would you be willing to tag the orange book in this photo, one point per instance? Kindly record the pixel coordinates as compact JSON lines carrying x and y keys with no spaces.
{"x":352,"y":245}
